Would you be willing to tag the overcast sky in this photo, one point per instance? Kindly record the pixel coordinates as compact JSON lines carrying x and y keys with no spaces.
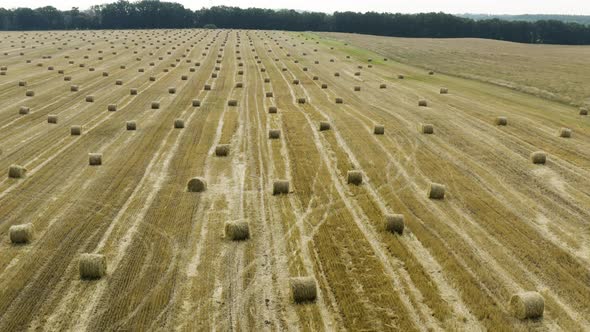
{"x":577,"y":7}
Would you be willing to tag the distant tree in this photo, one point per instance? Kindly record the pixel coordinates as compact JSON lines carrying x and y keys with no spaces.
{"x":209,"y":26}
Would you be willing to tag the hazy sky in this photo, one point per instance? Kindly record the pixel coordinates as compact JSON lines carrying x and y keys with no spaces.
{"x":579,"y":7}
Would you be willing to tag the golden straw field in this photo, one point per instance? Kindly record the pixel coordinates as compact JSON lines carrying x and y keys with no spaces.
{"x":197,"y":180}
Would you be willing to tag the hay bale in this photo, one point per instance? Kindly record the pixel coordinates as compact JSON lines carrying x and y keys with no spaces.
{"x":431,"y":73}
{"x":196,"y":185}
{"x":427,"y":128}
{"x":296,"y":82}
{"x":92,"y":266}
{"x":119,"y":82}
{"x":30,"y":93}
{"x":112,"y":108}
{"x":301,"y":100}
{"x":400,"y":76}
{"x":324,"y":125}
{"x":222,"y":150}
{"x":422,"y":103}
{"x":90,"y":99}
{"x":131,"y":125}
{"x":172,"y":90}
{"x":501,"y":121}
{"x":196,"y":103}
{"x":339,"y":101}
{"x":354,"y":177}
{"x":155,"y":105}
{"x":23,"y":110}
{"x":324,"y":86}
{"x":583,"y":111}
{"x":394,"y":223}
{"x":178,"y":123}
{"x":76,"y":130}
{"x":526,"y":305}
{"x":237,"y":230}
{"x":52,"y":118}
{"x":336,"y":74}
{"x":269,"y":94}
{"x":152,"y":78}
{"x":280,"y":187}
{"x":207,"y":87}
{"x":267,"y":80}
{"x":184,"y":77}
{"x":232,"y":102}
{"x":67,"y":78}
{"x":539,"y":157}
{"x":304,"y":289}
{"x":436,"y":191}
{"x":22,"y":83}
{"x":357,"y":88}
{"x":383,"y":86}
{"x":95,"y":159}
{"x":379,"y":129}
{"x":274,"y":134}
{"x":21,"y":234}
{"x":272,"y":109}
{"x":16,"y":172}
{"x":239,"y":85}
{"x":73,"y":88}
{"x":444,"y":91}
{"x":565,"y":132}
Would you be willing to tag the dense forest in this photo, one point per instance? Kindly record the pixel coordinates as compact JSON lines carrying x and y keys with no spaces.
{"x":149,"y":14}
{"x":581,"y":19}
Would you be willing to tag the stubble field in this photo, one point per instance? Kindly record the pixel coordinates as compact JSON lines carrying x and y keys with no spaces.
{"x":505,"y":225}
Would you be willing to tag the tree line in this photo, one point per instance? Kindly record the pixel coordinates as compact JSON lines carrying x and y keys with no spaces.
{"x":154,"y":14}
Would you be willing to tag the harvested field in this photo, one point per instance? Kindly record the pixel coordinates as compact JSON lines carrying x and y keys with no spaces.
{"x":194,"y":232}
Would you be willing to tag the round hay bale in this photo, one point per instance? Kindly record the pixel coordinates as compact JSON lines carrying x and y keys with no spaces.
{"x":583,"y":111}
{"x":232,"y":102}
{"x":196,"y":103}
{"x":207,"y":87}
{"x":357,"y":88}
{"x":526,"y":305}
{"x":565,"y":132}
{"x":303,"y":289}
{"x":422,"y":103}
{"x":274,"y":134}
{"x":76,"y":130}
{"x":379,"y":129}
{"x":184,"y":77}
{"x":152,"y":78}
{"x":23,"y":110}
{"x":324,"y":86}
{"x":358,"y":73}
{"x":16,"y":172}
{"x":394,"y":223}
{"x":178,"y":123}
{"x":105,"y":74}
{"x":269,"y":94}
{"x":155,"y":105}
{"x":324,"y":125}
{"x":67,"y":78}
{"x":272,"y":109}
{"x":92,"y":266}
{"x":119,"y":82}
{"x":21,"y":234}
{"x":339,"y":100}
{"x":52,"y":118}
{"x":444,"y":91}
{"x":436,"y":191}
{"x":73,"y":88}
{"x":237,"y":230}
{"x":222,"y":150}
{"x":95,"y":159}
{"x":280,"y":187}
{"x":133,"y":92}
{"x":383,"y":86}
{"x":301,"y":100}
{"x":30,"y":93}
{"x":172,"y":90}
{"x":112,"y":108}
{"x":90,"y":99}
{"x":22,"y":83}
{"x":239,"y":85}
{"x":430,"y":73}
{"x":296,"y":82}
{"x":131,"y":125}
{"x":427,"y":128}
{"x":336,"y":74}
{"x":501,"y":121}
{"x":267,"y":80}
{"x":355,"y":177}
{"x":539,"y":157}
{"x":197,"y":185}
{"x":400,"y":76}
